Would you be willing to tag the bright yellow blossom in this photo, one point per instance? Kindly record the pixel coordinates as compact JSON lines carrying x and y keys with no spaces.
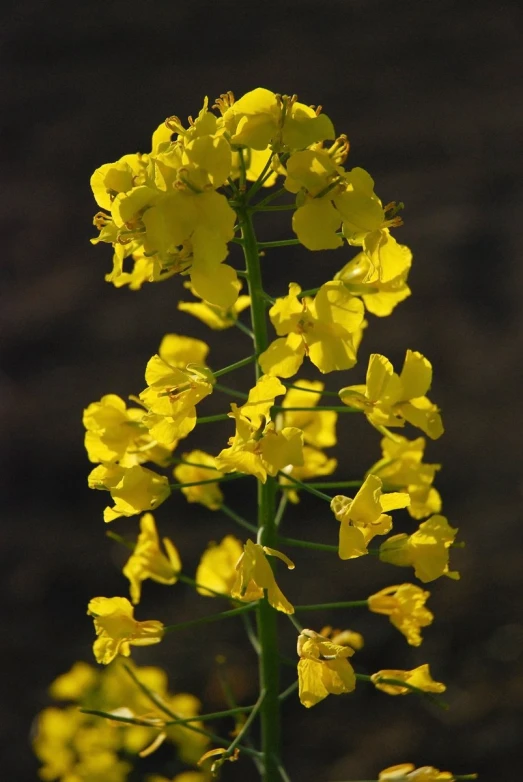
{"x":419,"y":677}
{"x":179,"y":351}
{"x":217,"y":567}
{"x":427,"y":550}
{"x":405,"y":606}
{"x":133,"y":489}
{"x":260,"y":117}
{"x":254,"y":575}
{"x":116,"y":433}
{"x":172,"y":394}
{"x":364,"y":517}
{"x":407,"y":772}
{"x":380,"y":276}
{"x":118,"y":630}
{"x":208,"y":494}
{"x":323,"y":668}
{"x":389,"y":399}
{"x":257,"y":448}
{"x":322,"y":328}
{"x":402,"y":467}
{"x":149,"y":561}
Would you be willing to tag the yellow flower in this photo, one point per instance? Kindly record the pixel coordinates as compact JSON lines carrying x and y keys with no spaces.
{"x":322,"y":328}
{"x":389,"y":399}
{"x":133,"y":489}
{"x":215,"y":317}
{"x":175,"y":386}
{"x":254,"y":575}
{"x":116,"y":433}
{"x":260,"y":117}
{"x":257,"y":448}
{"x":364,"y":517}
{"x":419,"y":677}
{"x":118,"y":630}
{"x":405,"y":606}
{"x":149,"y":561}
{"x":323,"y":668}
{"x":402,"y":467}
{"x":407,"y":772}
{"x":427,"y":550}
{"x":208,"y":494}
{"x":379,"y":276}
{"x":217,"y":568}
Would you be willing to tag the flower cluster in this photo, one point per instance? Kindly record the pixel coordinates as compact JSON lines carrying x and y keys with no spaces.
{"x":185,"y":208}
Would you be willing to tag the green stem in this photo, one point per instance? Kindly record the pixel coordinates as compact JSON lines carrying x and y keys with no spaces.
{"x":230,"y":391}
{"x":269,"y":198}
{"x":244,"y":329}
{"x":238,"y":519}
{"x":247,"y":724}
{"x":261,"y":179}
{"x":330,"y":606}
{"x":236,"y":365}
{"x":327,"y":485}
{"x":285,"y":694}
{"x":208,"y":619}
{"x":269,"y":669}
{"x":311,"y":390}
{"x":307,"y":544}
{"x":279,"y":243}
{"x":159,"y":703}
{"x":211,"y":419}
{"x":305,"y":486}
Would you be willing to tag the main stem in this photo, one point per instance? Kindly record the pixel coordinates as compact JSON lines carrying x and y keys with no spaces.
{"x":266,"y":616}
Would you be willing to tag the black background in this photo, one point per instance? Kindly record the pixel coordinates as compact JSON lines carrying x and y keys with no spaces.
{"x":430,"y":97}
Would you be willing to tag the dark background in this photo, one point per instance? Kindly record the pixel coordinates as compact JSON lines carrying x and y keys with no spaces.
{"x":430,"y":97}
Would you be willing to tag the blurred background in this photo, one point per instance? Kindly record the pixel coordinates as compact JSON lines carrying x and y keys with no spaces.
{"x":430,"y":98}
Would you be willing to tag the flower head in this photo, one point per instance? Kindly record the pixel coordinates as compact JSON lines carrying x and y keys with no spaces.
{"x":402,"y":467}
{"x":389,"y":399}
{"x":324,"y":328}
{"x":254,"y":575}
{"x":133,"y":489}
{"x":405,"y":606}
{"x":149,"y":561}
{"x":257,"y":448}
{"x":407,"y":772}
{"x":364,"y":517}
{"x":118,"y":630}
{"x":427,"y":550}
{"x":323,"y":669}
{"x":418,"y":678}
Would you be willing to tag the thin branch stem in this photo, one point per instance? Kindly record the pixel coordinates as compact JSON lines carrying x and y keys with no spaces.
{"x":326,"y":485}
{"x":281,"y":510}
{"x":209,"y":619}
{"x":285,"y":694}
{"x":307,"y":544}
{"x":230,"y":391}
{"x":317,"y":409}
{"x":331,"y":606}
{"x":311,"y":390}
{"x":244,"y":329}
{"x":223,"y":479}
{"x":237,"y":365}
{"x":238,"y":519}
{"x":211,"y":419}
{"x":305,"y":486}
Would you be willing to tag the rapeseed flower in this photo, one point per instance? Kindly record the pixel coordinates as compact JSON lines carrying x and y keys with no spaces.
{"x":118,"y":630}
